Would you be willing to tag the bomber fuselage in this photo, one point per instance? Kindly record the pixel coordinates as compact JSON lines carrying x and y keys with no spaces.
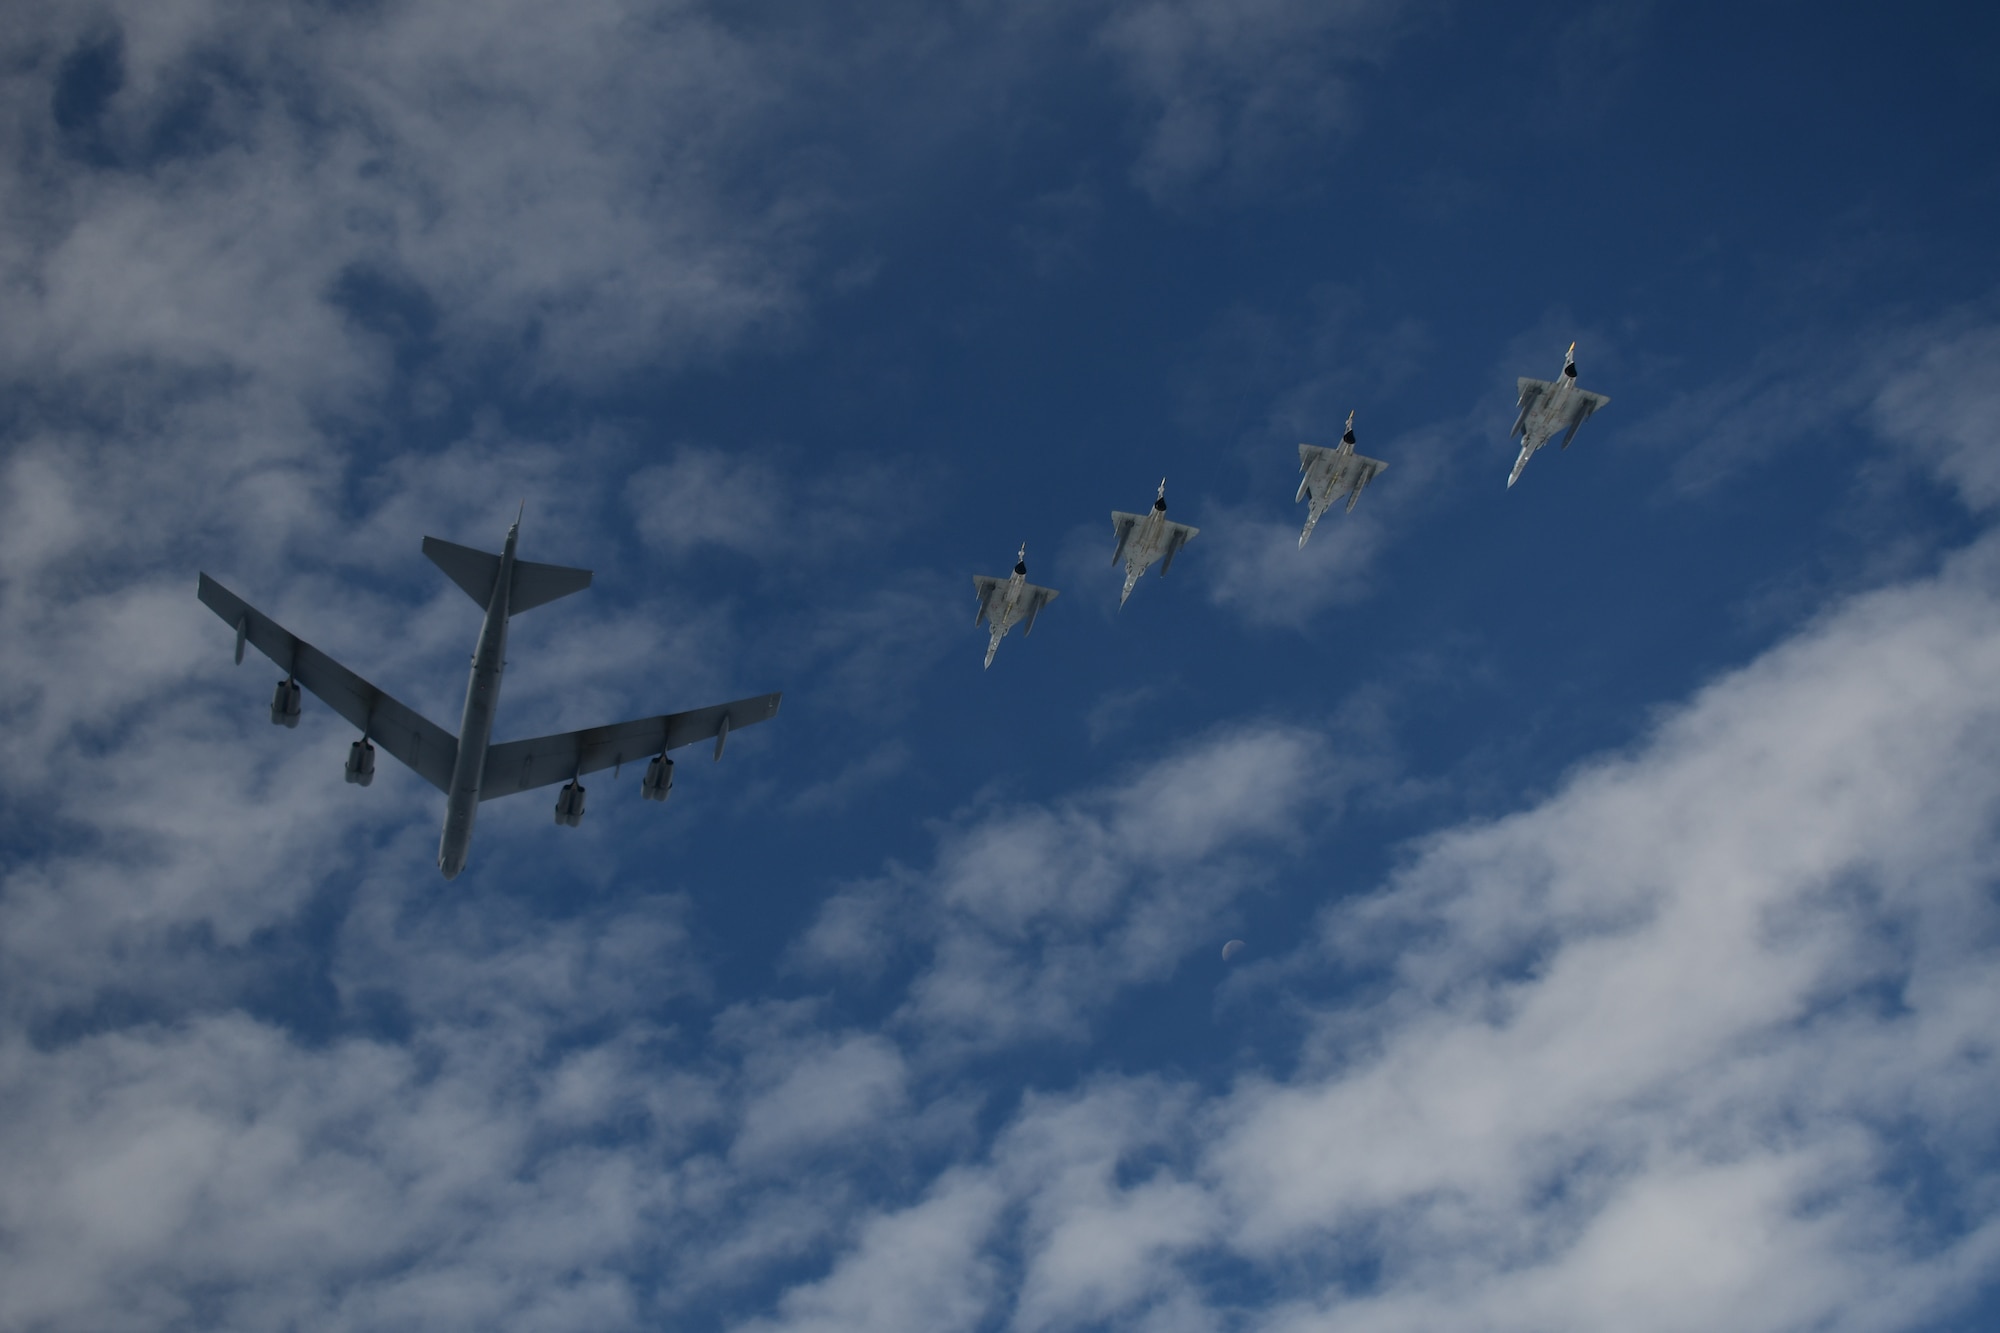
{"x":475,"y":727}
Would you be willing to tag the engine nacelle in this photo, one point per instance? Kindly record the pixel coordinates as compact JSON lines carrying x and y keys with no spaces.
{"x":361,"y":763}
{"x":569,"y":805}
{"x":285,"y":704}
{"x":659,"y":779}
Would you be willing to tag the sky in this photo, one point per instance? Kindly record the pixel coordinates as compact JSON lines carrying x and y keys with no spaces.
{"x":1617,"y":857}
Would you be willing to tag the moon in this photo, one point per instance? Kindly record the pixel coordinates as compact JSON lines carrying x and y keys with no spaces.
{"x":1231,"y":949}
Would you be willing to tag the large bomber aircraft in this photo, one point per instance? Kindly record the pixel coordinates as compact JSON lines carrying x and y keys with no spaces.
{"x":467,"y":767}
{"x":1332,"y":473}
{"x":1005,"y":603}
{"x":1144,"y":538}
{"x":1547,"y":408}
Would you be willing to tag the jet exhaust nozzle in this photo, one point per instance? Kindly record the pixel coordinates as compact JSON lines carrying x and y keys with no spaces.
{"x":361,"y":763}
{"x":285,"y":704}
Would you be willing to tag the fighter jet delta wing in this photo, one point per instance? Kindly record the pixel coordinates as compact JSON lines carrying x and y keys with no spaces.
{"x":1005,"y":603}
{"x":419,"y":743}
{"x":1589,"y":403}
{"x":1178,"y":535}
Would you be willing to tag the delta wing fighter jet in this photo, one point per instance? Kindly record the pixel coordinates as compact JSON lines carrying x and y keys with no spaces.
{"x":1144,"y":538}
{"x":1547,"y":408}
{"x":1332,"y":473}
{"x":467,"y":767}
{"x":1005,"y":603}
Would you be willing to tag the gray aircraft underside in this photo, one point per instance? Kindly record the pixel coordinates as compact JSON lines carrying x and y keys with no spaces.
{"x":1145,"y":538}
{"x":1005,"y":603}
{"x":1332,"y":473}
{"x":1547,"y":408}
{"x":467,"y":767}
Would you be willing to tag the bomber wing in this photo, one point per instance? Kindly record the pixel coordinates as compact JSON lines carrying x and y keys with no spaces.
{"x":408,"y":735}
{"x":524,"y":765}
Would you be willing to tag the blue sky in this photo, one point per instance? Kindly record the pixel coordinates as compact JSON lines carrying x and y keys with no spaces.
{"x":1615,"y":854}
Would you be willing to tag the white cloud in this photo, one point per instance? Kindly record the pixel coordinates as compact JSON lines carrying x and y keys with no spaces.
{"x":1690,"y":1005}
{"x":826,"y":1095}
{"x":1946,"y":408}
{"x":1034,"y":916}
{"x":917,"y":1270}
{"x":1225,"y":82}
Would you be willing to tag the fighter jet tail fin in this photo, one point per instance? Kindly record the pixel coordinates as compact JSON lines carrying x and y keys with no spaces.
{"x":538,"y":585}
{"x":474,"y":571}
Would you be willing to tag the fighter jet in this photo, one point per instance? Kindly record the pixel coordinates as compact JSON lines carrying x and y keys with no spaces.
{"x":1331,"y":473}
{"x":1005,"y":603}
{"x":1547,"y":408}
{"x":467,"y":767}
{"x":1144,"y":538}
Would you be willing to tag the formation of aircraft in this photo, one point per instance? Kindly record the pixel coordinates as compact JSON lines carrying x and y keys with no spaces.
{"x":470,"y":769}
{"x":1330,"y":473}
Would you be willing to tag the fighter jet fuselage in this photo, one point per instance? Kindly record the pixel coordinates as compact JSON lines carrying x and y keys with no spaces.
{"x":1005,"y":604}
{"x":1145,"y":538}
{"x":1332,"y":473}
{"x":1548,"y":407}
